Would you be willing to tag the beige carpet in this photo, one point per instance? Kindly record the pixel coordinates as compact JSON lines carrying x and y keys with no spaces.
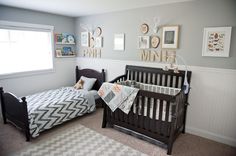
{"x":78,"y":140}
{"x":12,"y":141}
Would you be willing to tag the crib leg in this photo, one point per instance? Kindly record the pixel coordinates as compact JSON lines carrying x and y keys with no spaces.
{"x":4,"y":120}
{"x":169,"y":148}
{"x":184,"y":122}
{"x":104,"y":121}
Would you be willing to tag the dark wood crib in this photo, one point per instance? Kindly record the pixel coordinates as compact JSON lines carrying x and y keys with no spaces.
{"x":141,"y":123}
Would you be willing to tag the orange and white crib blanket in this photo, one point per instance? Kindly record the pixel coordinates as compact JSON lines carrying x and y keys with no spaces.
{"x":118,"y":96}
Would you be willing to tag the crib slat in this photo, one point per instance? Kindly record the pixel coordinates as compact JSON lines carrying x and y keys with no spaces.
{"x":153,"y":120}
{"x":137,"y":76}
{"x":160,"y":82}
{"x":142,"y":112}
{"x":146,"y":77}
{"x":160,"y":115}
{"x":137,"y":112}
{"x":151,"y":77}
{"x":165,"y":80}
{"x":154,"y":109}
{"x":176,"y":81}
{"x":167,"y":111}
{"x":148,"y":107}
{"x":148,"y":114}
{"x":171,"y":81}
{"x":142,"y":75}
{"x":131,"y":116}
{"x":124,"y":116}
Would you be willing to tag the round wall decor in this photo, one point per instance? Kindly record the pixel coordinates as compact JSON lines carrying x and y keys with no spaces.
{"x":144,"y":28}
{"x":98,"y":31}
{"x":155,"y":41}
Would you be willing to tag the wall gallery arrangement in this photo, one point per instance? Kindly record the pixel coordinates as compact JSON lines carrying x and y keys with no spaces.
{"x":149,"y":44}
{"x":216,"y":41}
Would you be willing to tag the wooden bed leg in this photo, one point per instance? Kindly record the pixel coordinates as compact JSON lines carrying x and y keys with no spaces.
{"x":27,"y":135}
{"x":104,"y":121}
{"x":26,"y":119}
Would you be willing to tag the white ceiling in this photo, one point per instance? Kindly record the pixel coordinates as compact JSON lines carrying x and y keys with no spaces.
{"x":77,"y":8}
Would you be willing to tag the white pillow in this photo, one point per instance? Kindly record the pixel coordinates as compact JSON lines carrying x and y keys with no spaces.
{"x":88,"y":82}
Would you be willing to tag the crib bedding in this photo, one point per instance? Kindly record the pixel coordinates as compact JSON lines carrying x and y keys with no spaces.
{"x":53,"y":107}
{"x":118,"y":96}
{"x":157,"y":89}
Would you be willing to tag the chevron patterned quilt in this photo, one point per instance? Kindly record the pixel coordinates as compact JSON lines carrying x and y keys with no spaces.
{"x":53,"y":107}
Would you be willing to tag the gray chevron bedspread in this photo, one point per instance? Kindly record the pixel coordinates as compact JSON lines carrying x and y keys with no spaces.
{"x":53,"y":107}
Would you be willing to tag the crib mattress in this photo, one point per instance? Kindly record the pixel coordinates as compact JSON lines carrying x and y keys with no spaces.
{"x":157,"y":89}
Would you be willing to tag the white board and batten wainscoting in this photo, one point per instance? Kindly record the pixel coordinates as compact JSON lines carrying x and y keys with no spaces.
{"x":212,"y":109}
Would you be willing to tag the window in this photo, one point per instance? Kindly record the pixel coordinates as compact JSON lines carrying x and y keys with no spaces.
{"x":25,"y":48}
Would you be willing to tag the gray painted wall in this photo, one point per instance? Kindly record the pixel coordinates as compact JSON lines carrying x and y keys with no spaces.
{"x":191,"y":16}
{"x":64,"y":67}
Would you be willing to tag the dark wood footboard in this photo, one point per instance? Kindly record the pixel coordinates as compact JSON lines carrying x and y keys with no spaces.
{"x":15,"y":111}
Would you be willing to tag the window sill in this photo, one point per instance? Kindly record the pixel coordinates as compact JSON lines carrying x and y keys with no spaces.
{"x":26,"y":74}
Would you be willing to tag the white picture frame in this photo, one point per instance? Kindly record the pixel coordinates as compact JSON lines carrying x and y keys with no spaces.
{"x":119,"y":42}
{"x":170,"y":37}
{"x":216,"y":41}
{"x":85,"y":39}
{"x":98,"y":42}
{"x":143,"y":42}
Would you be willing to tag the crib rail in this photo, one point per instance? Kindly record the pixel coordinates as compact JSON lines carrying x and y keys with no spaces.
{"x":119,"y":78}
{"x":143,"y":119}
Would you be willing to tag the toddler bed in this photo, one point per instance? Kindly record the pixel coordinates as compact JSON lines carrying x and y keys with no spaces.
{"x":159,"y":109}
{"x":41,"y":111}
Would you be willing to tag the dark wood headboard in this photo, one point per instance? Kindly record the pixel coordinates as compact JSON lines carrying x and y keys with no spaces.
{"x":91,"y":73}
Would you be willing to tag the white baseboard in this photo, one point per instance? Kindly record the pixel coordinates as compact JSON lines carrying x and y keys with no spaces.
{"x":211,"y":136}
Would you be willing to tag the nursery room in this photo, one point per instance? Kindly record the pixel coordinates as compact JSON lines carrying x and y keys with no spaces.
{"x":109,"y":77}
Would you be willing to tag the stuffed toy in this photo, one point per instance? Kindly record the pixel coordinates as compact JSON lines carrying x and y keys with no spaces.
{"x":79,"y":84}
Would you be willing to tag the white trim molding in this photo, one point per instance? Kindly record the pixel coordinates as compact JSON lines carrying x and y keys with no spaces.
{"x":211,"y":136}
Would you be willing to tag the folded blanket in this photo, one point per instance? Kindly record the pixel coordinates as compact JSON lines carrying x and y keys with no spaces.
{"x":118,"y":96}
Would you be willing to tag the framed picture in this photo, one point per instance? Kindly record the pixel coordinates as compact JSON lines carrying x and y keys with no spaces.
{"x":64,"y":38}
{"x":170,"y":35}
{"x":67,"y":51}
{"x":119,"y":42}
{"x":143,"y":42}
{"x":216,"y":41}
{"x":98,"y":42}
{"x":85,"y":39}
{"x":58,"y":52}
{"x":58,"y":38}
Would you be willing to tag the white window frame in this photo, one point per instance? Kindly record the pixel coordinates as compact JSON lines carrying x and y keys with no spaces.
{"x":29,"y":27}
